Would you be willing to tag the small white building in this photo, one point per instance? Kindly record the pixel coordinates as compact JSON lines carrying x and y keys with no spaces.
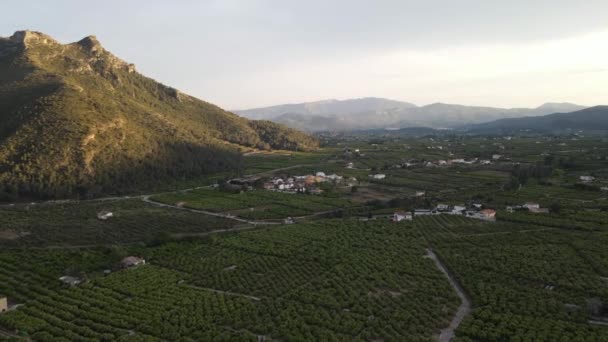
{"x":3,"y":304}
{"x":443,"y":207}
{"x":496,"y":156}
{"x":320,"y":174}
{"x":334,"y":177}
{"x":132,"y":261}
{"x":402,"y":215}
{"x":378,"y":176}
{"x":420,"y":193}
{"x":69,"y":280}
{"x":104,"y":215}
{"x":587,"y":178}
{"x":350,"y":165}
{"x":531,"y":205}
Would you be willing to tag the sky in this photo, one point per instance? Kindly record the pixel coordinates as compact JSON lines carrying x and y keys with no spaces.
{"x":242,"y":54}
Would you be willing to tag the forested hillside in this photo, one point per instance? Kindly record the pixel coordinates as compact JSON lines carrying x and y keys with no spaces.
{"x":77,"y":120}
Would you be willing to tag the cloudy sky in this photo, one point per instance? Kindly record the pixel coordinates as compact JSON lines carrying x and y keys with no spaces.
{"x":250,"y":53}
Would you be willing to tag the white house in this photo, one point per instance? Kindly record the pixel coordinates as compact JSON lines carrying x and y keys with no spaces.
{"x":496,"y":156}
{"x":587,"y":178}
{"x":531,"y":205}
{"x":334,"y":177}
{"x":104,"y":215}
{"x":420,"y":193}
{"x":350,"y":165}
{"x":320,"y":174}
{"x":378,"y":176}
{"x":402,"y":215}
{"x":69,"y":280}
{"x":443,"y":207}
{"x":132,"y":261}
{"x":458,"y":210}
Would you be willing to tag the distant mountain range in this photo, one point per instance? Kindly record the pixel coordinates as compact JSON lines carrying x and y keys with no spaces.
{"x":77,"y":120}
{"x":590,"y":119}
{"x":366,"y":113}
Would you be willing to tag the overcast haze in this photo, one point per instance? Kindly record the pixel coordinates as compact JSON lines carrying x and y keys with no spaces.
{"x":242,"y":54}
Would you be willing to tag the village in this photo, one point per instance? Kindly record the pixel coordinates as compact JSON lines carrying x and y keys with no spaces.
{"x":305,"y":184}
{"x":474,"y":211}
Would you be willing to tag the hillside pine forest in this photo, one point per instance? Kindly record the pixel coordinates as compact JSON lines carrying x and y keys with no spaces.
{"x":78,"y":121}
{"x":130,"y":211}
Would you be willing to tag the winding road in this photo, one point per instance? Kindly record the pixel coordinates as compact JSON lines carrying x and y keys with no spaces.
{"x":447,"y":334}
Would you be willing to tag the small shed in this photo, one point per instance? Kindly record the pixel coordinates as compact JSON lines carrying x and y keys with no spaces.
{"x":402,"y":215}
{"x":132,"y":261}
{"x":104,"y":215}
{"x":3,"y":303}
{"x":69,"y":280}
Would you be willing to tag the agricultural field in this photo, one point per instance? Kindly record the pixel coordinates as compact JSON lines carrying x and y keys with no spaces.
{"x":73,"y":224}
{"x":526,"y":281}
{"x":336,"y":280}
{"x":222,"y":266}
{"x":257,"y":204}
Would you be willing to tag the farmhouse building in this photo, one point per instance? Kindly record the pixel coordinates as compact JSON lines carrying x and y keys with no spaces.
{"x":587,"y":178}
{"x":104,"y":215}
{"x":531,"y":205}
{"x":3,"y":303}
{"x":69,"y":280}
{"x":402,"y":215}
{"x":132,"y":261}
{"x":487,"y":214}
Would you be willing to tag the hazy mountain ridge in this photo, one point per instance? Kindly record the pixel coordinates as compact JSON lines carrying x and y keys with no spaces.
{"x":588,"y":119}
{"x":368,"y":113}
{"x":77,"y":119}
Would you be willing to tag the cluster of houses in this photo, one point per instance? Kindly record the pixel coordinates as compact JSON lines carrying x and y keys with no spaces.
{"x":306,"y":183}
{"x":449,"y":162}
{"x":475,"y":211}
{"x":530,"y":206}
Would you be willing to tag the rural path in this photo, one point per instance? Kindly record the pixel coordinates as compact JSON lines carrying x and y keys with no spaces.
{"x":227,"y":293}
{"x":276,"y":170}
{"x":447,"y":334}
{"x":210,"y":213}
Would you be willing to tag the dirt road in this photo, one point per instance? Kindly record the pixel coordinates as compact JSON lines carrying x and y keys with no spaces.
{"x":447,"y":334}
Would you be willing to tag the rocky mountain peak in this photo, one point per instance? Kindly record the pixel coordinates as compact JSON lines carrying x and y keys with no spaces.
{"x":27,"y":37}
{"x":91,"y":44}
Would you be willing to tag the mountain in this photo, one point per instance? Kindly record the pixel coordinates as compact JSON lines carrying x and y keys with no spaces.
{"x":366,"y":113}
{"x":592,"y":119}
{"x":75,"y":119}
{"x":326,"y":108}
